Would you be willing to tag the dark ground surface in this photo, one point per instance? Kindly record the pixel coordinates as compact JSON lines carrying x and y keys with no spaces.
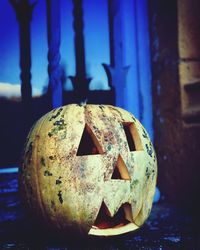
{"x":168,"y":227}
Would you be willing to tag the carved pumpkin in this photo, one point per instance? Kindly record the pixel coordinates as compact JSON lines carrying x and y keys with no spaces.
{"x":90,"y":169}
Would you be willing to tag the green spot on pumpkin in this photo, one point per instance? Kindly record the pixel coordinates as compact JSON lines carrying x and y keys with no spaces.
{"x":50,"y":134}
{"x":47,"y":173}
{"x":42,"y":161}
{"x":144,"y":134}
{"x":149,"y":149}
{"x":53,"y":205}
{"x":59,"y":122}
{"x":60,"y":196}
{"x":135,"y":182}
{"x":101,"y":107}
{"x":58,"y":182}
{"x":147,"y":173}
{"x":29,"y":152}
{"x":133,"y":118}
{"x":58,"y":126}
{"x":56,"y":115}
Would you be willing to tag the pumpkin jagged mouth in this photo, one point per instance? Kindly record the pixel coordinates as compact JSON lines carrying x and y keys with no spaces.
{"x":121,"y":222}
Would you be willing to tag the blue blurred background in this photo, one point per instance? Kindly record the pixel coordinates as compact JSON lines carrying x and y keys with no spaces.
{"x":115,"y":34}
{"x":135,"y":51}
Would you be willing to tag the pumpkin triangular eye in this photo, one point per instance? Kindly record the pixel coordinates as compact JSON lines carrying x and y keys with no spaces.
{"x":129,"y":136}
{"x":120,"y":170}
{"x":88,"y":144}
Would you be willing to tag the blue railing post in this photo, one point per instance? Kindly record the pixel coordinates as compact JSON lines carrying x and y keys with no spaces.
{"x":116,"y":71}
{"x":54,"y":71}
{"x":80,"y":81}
{"x":24,"y":11}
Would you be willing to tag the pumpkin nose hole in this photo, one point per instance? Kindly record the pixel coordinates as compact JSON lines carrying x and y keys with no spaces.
{"x":88,"y":144}
{"x":120,"y":170}
{"x":121,"y":218}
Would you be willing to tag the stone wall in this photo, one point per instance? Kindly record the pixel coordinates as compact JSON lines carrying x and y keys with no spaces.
{"x":175,"y":52}
{"x":189,"y":57}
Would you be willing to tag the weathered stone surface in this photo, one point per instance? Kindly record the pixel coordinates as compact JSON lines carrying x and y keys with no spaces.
{"x":189,"y":28}
{"x":177,"y":143}
{"x":189,"y":72}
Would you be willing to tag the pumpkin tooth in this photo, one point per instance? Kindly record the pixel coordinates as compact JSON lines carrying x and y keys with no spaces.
{"x":106,"y":220}
{"x":128,"y":211}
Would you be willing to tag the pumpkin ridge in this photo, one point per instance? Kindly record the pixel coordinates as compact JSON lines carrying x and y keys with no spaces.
{"x":41,"y":202}
{"x":77,"y":205}
{"x":51,"y":188}
{"x":88,"y":115}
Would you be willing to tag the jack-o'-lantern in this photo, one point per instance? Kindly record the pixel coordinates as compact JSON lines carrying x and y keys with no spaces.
{"x":90,"y":169}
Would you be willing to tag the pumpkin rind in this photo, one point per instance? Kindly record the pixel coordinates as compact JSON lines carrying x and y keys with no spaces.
{"x":66,"y":189}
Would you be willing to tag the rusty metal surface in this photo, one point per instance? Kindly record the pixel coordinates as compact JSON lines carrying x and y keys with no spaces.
{"x":168,"y":227}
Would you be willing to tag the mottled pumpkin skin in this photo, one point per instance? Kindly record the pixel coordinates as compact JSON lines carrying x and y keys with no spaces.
{"x":67,"y":190}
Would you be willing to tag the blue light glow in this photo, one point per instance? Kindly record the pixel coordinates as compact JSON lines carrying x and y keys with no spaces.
{"x":135,"y":42}
{"x":9,"y":170}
